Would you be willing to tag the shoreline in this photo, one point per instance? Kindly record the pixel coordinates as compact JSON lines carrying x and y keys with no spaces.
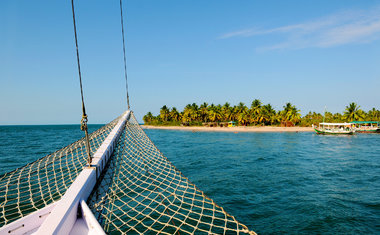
{"x":231,"y":129}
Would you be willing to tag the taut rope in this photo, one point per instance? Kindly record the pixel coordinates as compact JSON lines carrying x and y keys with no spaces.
{"x":125,"y":59}
{"x":84,"y":120}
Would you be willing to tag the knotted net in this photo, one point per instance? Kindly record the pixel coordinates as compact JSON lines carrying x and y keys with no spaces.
{"x":141,"y":192}
{"x":45,"y":180}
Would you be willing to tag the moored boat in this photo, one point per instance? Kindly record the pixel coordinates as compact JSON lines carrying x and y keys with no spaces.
{"x":325,"y":128}
{"x":366,"y":126}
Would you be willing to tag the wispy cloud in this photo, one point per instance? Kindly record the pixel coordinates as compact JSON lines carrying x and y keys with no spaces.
{"x":361,"y":26}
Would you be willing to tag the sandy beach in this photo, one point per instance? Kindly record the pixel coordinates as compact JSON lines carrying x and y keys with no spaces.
{"x":232,"y":129}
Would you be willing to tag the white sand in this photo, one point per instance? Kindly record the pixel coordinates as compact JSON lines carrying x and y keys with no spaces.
{"x":232,"y":129}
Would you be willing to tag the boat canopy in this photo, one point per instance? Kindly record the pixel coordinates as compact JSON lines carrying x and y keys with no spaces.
{"x":365,"y":122}
{"x":335,"y":124}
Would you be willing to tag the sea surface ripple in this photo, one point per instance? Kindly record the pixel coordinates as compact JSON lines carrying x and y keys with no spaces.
{"x":297,"y":183}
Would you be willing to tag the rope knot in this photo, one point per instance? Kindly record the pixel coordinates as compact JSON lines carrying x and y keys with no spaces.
{"x":83,"y":123}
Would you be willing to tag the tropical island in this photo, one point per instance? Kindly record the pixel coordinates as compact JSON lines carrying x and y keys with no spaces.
{"x":257,"y":115}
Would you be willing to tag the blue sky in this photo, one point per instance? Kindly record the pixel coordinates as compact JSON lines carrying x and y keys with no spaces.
{"x":310,"y":53}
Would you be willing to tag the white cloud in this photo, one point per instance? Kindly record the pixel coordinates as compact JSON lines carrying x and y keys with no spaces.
{"x":338,"y":29}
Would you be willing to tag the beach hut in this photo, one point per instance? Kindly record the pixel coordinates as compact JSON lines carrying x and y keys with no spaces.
{"x":231,"y":124}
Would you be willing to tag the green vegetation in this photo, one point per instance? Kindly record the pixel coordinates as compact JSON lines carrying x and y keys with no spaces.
{"x":257,"y":114}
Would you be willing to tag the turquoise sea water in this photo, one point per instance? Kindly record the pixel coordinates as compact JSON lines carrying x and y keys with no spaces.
{"x":297,"y":183}
{"x":22,"y":144}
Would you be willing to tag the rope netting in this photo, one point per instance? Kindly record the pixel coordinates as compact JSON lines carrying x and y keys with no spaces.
{"x":141,"y":192}
{"x":45,"y":180}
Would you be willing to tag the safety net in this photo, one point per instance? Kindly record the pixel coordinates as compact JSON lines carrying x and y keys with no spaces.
{"x":141,"y":192}
{"x":45,"y":180}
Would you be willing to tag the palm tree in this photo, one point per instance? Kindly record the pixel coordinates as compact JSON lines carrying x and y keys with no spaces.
{"x":353,"y":113}
{"x":317,"y":117}
{"x":164,"y":113}
{"x":174,"y":114}
{"x":256,"y":103}
{"x":290,"y":113}
{"x":241,"y":113}
{"x":203,"y":111}
{"x":186,"y":116}
{"x":194,"y":112}
{"x":227,"y":111}
{"x":288,"y":106}
{"x":148,"y":118}
{"x":268,"y":114}
{"x":256,"y":111}
{"x":214,"y":113}
{"x":244,"y":117}
{"x":337,"y":117}
{"x":373,"y":115}
{"x":234,"y":113}
{"x":295,"y":116}
{"x":328,"y":117}
{"x":241,"y":107}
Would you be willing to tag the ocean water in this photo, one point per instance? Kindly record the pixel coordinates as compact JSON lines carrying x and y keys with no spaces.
{"x":20,"y":145}
{"x":297,"y":183}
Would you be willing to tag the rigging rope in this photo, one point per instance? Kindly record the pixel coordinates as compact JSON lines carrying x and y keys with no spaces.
{"x":84,"y":120}
{"x":125,"y":59}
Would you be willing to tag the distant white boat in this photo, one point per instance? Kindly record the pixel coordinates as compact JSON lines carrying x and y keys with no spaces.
{"x":326,"y":128}
{"x":366,"y":126}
